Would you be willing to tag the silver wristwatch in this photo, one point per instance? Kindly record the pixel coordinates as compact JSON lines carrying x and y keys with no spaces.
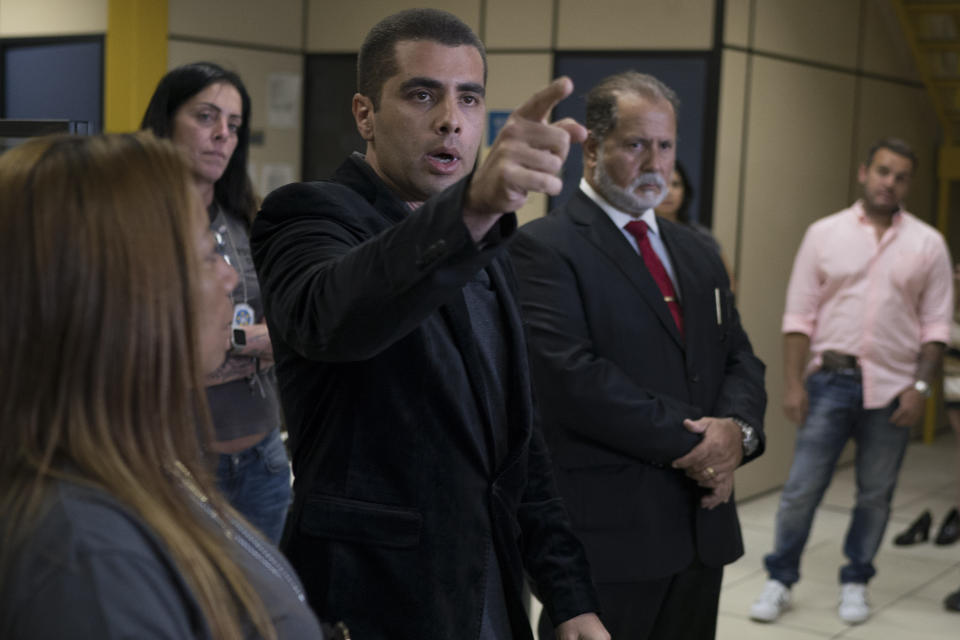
{"x":750,"y":439}
{"x":924,"y":388}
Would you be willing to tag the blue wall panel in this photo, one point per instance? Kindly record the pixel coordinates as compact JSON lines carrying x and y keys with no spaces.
{"x":54,"y":80}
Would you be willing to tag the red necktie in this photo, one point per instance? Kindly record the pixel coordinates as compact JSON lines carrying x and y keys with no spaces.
{"x":638,"y":229}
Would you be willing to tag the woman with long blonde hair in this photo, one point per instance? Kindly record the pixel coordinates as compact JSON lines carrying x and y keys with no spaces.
{"x":116,"y":306}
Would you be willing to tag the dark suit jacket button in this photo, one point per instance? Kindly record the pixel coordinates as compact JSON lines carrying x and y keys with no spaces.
{"x":695,"y":378}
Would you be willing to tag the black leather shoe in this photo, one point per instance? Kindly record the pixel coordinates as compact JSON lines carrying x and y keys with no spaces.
{"x":950,"y":529}
{"x":919,"y":531}
{"x":952,"y":601}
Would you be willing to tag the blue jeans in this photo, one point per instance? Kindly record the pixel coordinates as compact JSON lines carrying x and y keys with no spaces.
{"x":256,"y":482}
{"x":836,"y":414}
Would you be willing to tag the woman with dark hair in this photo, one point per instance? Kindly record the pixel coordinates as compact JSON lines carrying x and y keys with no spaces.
{"x":676,"y":208}
{"x":205,"y":110}
{"x":117,"y":307}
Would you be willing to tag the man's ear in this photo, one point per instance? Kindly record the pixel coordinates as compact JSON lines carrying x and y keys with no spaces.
{"x":590,"y":148}
{"x":363,"y":114}
{"x":862,"y":174}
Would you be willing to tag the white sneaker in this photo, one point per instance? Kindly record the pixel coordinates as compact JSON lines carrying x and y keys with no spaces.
{"x":773,"y":600}
{"x":854,"y":607}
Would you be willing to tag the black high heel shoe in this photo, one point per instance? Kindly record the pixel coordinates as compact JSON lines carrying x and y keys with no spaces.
{"x":950,"y":529}
{"x":952,"y":601}
{"x":919,"y":531}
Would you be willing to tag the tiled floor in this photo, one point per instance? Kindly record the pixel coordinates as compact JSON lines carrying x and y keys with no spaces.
{"x":911,"y":582}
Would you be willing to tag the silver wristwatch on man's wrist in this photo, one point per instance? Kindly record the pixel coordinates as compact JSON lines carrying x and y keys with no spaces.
{"x":750,"y":439}
{"x":924,"y":388}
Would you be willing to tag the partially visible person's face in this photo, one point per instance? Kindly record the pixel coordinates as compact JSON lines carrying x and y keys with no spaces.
{"x":631,"y":167}
{"x":427,"y":131}
{"x":215,"y":282}
{"x":675,"y":195}
{"x":206,"y":127}
{"x":886,"y":181}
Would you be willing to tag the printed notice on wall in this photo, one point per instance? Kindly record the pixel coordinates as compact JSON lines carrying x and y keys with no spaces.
{"x":283,"y":100}
{"x":274,"y":176}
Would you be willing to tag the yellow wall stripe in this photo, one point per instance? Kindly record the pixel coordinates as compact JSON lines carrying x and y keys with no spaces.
{"x":134,"y":60}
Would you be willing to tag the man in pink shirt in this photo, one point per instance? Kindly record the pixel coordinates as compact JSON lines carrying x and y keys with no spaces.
{"x":867,"y":316}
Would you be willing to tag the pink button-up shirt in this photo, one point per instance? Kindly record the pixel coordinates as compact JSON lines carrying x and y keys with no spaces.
{"x":876,"y":299}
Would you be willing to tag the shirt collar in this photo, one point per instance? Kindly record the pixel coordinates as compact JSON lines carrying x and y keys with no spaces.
{"x":862,"y":215}
{"x":619,"y":218}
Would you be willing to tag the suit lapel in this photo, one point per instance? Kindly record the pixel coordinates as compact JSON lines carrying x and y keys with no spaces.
{"x":519,"y":408}
{"x":501,"y":449}
{"x":458,"y":318}
{"x":692,"y":296}
{"x":604,"y":235}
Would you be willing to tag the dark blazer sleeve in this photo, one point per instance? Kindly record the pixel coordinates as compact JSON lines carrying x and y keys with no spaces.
{"x":342,"y":282}
{"x":601,"y":403}
{"x":553,"y":557}
{"x":742,"y":393}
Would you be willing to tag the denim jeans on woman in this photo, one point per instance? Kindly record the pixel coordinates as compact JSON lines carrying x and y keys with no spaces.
{"x":256,"y":482}
{"x":836,"y":414}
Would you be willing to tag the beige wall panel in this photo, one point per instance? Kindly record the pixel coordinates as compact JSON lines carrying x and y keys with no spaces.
{"x":632,"y":25}
{"x":519,"y":24}
{"x":736,"y":27}
{"x":726,"y":192}
{"x":335,"y":25}
{"x":512,"y":79}
{"x":281,"y":145}
{"x":819,"y":30}
{"x":20,"y":18}
{"x":798,"y":161}
{"x":885,"y":47}
{"x":278,"y":23}
{"x":891,"y":109}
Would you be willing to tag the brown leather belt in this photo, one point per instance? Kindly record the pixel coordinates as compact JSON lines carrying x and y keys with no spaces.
{"x":836,"y":361}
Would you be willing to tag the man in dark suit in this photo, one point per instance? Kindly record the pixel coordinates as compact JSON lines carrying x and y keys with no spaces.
{"x":423,"y":491}
{"x":649,"y":389}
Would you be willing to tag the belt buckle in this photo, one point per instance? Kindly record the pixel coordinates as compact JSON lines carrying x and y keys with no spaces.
{"x":839,"y":362}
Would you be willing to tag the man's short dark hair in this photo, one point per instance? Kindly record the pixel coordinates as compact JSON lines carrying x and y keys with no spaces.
{"x":896,"y":145}
{"x":602,"y":99}
{"x":378,"y":56}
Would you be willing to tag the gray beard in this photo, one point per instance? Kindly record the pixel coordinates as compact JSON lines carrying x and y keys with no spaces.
{"x":627,"y":200}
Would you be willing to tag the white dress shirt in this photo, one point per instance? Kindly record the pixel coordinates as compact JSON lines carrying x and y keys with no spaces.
{"x":620,"y":219}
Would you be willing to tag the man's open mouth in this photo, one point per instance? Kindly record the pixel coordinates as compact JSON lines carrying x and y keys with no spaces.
{"x":444,"y":158}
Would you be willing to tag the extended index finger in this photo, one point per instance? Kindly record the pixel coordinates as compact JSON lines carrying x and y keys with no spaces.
{"x":540,"y":104}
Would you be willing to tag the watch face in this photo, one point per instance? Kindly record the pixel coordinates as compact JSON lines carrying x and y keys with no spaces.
{"x":750,"y":441}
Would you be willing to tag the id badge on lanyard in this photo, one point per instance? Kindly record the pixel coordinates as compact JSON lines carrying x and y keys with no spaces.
{"x":242,"y":315}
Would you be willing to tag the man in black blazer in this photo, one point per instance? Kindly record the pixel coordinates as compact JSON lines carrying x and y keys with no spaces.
{"x":423,"y":490}
{"x":649,"y":390}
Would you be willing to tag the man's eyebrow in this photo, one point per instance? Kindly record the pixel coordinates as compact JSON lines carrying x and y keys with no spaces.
{"x":421,"y":81}
{"x":433,"y":83}
{"x":472,"y":87}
